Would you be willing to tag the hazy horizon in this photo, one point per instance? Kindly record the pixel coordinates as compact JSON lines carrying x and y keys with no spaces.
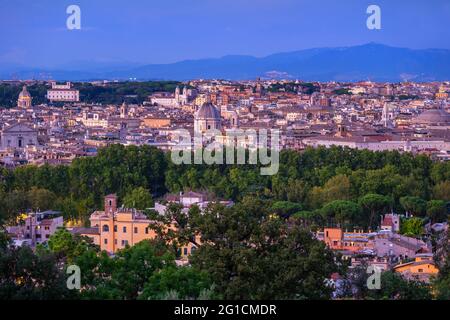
{"x":34,"y":34}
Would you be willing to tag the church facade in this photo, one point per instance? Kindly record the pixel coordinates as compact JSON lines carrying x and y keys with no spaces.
{"x":18,"y":136}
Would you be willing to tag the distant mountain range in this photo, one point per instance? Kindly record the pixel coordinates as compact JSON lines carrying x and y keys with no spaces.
{"x":372,"y":61}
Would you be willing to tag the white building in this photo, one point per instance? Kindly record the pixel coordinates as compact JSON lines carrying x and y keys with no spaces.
{"x":359,"y":143}
{"x":63,"y":93}
{"x":19,"y":136}
{"x":171,"y":100}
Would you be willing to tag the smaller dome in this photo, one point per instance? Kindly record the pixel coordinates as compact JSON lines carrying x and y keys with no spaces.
{"x":434,"y":116}
{"x":24,"y":93}
{"x":208,"y":111}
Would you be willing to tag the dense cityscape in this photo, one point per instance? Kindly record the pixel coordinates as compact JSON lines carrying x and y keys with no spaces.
{"x":364,"y":180}
{"x":214,"y":159}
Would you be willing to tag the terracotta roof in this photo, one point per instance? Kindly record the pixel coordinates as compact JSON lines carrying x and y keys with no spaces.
{"x":81,"y":231}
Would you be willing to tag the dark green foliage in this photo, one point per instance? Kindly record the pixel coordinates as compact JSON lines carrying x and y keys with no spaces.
{"x":186,"y":282}
{"x":312,"y":179}
{"x":111,"y":93}
{"x":27,"y":276}
{"x":395,"y":287}
{"x":252,"y":254}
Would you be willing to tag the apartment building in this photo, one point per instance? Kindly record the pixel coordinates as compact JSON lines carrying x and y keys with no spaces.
{"x":36,"y":228}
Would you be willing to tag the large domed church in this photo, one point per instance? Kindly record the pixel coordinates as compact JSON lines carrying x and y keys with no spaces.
{"x":207,"y":118}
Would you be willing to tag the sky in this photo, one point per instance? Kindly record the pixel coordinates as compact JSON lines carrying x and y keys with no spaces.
{"x":33,"y":33}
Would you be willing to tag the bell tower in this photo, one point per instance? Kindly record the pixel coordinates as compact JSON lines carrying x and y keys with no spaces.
{"x":110,"y":204}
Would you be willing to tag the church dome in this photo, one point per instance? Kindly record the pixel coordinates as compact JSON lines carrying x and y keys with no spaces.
{"x":434,"y":116}
{"x":24,"y":93}
{"x":208,"y":111}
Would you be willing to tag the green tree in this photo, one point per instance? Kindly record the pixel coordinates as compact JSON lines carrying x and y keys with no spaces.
{"x":343,"y":212}
{"x":437,"y":211}
{"x":414,"y":205}
{"x":67,"y":246}
{"x":132,"y":267}
{"x":412,"y":227}
{"x":138,"y":198}
{"x":375,"y":205}
{"x":285,"y":208}
{"x":441,"y":283}
{"x":27,"y":276}
{"x":441,"y":191}
{"x":188,"y":283}
{"x":395,"y":287}
{"x":244,"y":248}
{"x":41,"y":199}
{"x":336,"y":188}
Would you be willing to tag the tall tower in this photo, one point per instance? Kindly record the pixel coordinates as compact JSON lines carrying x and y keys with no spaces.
{"x":110,"y":204}
{"x":385,"y":119}
{"x":177,"y":94}
{"x":123,"y":110}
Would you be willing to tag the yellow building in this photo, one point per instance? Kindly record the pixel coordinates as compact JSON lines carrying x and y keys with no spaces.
{"x":442,"y":93}
{"x":24,"y":100}
{"x":422,"y":268}
{"x":115,"y":228}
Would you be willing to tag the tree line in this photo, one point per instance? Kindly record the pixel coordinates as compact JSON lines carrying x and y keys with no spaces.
{"x":110,"y":93}
{"x":318,"y":186}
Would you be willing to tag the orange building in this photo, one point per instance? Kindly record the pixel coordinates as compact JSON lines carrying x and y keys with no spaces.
{"x":115,"y":228}
{"x":156,"y":122}
{"x":337,"y":239}
{"x":422,"y":268}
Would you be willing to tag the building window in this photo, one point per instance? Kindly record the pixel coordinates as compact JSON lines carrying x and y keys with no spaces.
{"x":115,"y":228}
{"x":105,"y":241}
{"x":146,"y":230}
{"x":185,"y":251}
{"x":115,"y":241}
{"x":105,"y":228}
{"x":420,"y":270}
{"x":124,"y":229}
{"x":135,"y":230}
{"x":47,"y":236}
